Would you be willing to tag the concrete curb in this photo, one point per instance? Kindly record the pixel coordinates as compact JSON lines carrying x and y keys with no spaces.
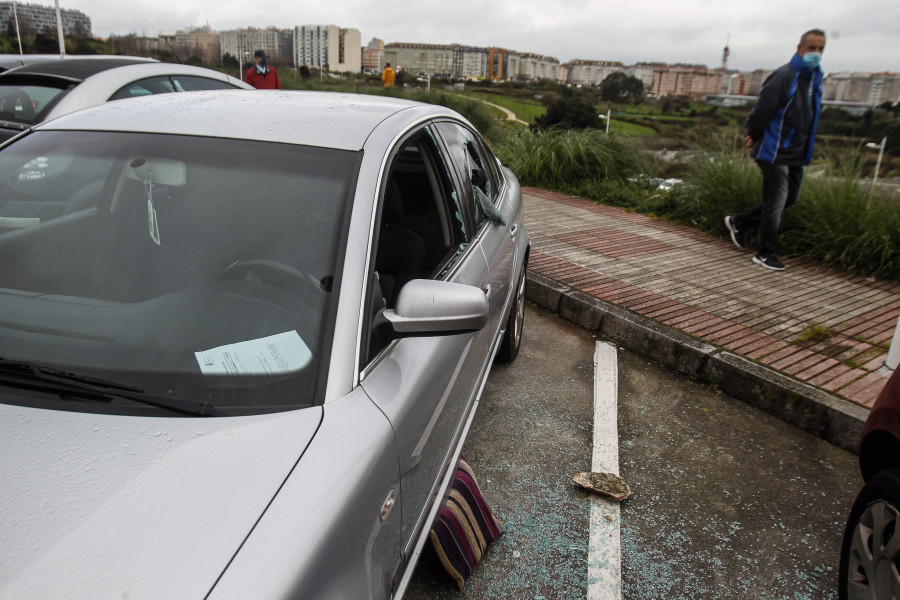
{"x":824,"y":415}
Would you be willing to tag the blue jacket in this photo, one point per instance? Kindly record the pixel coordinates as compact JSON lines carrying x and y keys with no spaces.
{"x":783,"y":123}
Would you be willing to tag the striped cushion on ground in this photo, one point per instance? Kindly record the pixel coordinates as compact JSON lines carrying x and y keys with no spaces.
{"x":465,"y":527}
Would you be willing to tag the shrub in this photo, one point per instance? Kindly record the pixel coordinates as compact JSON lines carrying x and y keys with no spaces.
{"x":841,"y":221}
{"x":569,"y":113}
{"x":557,"y":159}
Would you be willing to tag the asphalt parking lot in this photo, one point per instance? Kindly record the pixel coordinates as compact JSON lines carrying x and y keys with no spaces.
{"x":728,"y":501}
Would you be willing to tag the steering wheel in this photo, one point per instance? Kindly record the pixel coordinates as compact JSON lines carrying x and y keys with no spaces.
{"x":273,"y":273}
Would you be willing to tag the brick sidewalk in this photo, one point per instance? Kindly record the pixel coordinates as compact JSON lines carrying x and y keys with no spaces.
{"x":706,"y":287}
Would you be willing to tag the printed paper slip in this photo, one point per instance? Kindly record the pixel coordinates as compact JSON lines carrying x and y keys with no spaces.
{"x":279,"y":353}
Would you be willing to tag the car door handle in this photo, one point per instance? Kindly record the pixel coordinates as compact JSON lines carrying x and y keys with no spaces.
{"x":514,"y":230}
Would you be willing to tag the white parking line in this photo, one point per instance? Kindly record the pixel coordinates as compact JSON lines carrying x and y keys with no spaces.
{"x":604,"y":551}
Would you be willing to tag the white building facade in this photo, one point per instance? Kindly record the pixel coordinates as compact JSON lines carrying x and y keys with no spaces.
{"x":42,"y":19}
{"x":592,"y":72}
{"x":328,"y":47}
{"x":242,"y":43}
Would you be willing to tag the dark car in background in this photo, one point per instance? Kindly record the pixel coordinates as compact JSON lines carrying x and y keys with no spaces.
{"x":12,"y":61}
{"x":870,"y":554}
{"x":39,"y":91}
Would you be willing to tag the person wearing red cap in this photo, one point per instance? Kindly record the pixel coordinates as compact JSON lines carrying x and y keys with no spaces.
{"x":262,"y":76}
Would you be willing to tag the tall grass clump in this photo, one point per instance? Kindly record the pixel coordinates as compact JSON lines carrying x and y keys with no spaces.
{"x":560,"y":159}
{"x":842,"y":220}
{"x":839,"y":219}
{"x":716,"y":184}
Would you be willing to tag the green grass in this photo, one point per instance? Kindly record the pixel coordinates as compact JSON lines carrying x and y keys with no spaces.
{"x":525,"y":109}
{"x":814,"y":334}
{"x":630,"y":129}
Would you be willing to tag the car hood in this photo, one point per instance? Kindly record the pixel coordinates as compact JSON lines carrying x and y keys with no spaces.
{"x":109,"y":506}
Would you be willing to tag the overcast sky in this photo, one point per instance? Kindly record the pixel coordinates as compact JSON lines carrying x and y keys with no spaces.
{"x":863,"y":34}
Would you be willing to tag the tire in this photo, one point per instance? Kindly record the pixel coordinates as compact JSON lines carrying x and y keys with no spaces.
{"x":512,"y":338}
{"x":870,"y":553}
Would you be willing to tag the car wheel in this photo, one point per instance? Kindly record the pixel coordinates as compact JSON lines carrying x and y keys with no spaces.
{"x":870,"y":554}
{"x":512,"y":339}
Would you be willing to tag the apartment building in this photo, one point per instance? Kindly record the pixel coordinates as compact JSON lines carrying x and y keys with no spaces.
{"x":373,"y":56}
{"x":502,"y":64}
{"x":644,"y":72}
{"x":695,"y":81}
{"x":141,"y":45}
{"x":873,"y":89}
{"x":202,"y":42}
{"x":591,"y":72}
{"x":435,"y":59}
{"x":328,"y":47}
{"x":470,"y":62}
{"x":42,"y":19}
{"x":278,"y":43}
{"x":533,"y":67}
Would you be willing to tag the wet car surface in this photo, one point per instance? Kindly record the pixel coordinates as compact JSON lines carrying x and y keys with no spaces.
{"x":244,"y":336}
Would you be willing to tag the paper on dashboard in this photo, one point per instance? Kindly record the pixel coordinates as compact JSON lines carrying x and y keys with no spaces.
{"x":280,"y":353}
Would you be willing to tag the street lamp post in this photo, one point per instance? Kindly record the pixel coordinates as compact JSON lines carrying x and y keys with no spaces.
{"x":18,"y":35}
{"x":59,"y":32}
{"x":241,"y":55}
{"x":880,"y":148}
{"x":606,"y":118}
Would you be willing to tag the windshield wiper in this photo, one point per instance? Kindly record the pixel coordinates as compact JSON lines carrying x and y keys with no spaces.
{"x":32,"y":375}
{"x":12,"y":125}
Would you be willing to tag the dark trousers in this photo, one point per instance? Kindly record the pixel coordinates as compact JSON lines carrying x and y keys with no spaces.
{"x":781,"y":188}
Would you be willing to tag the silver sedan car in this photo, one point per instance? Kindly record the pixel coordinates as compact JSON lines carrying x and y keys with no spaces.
{"x":43,"y":90}
{"x":243,"y":339}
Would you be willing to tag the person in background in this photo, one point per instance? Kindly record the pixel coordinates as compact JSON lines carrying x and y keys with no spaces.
{"x":782,"y":129}
{"x":261,"y":75}
{"x":387,"y":76}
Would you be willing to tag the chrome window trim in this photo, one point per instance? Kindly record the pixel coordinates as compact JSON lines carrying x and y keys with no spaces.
{"x":365,"y":287}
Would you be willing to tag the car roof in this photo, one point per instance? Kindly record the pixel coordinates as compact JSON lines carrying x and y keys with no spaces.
{"x":75,"y":68}
{"x":324,"y":119}
{"x":11,"y":61}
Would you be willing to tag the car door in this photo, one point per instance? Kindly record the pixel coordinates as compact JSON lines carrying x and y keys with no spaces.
{"x":483,"y":188}
{"x":426,"y":386}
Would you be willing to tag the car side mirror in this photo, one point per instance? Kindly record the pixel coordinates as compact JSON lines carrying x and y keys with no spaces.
{"x":429,"y":308}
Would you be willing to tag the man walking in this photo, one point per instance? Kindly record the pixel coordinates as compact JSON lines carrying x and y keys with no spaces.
{"x":261,"y":75}
{"x":782,"y":129}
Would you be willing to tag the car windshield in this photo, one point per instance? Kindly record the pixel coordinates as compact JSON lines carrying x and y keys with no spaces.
{"x":27,"y":103}
{"x":186,"y":266}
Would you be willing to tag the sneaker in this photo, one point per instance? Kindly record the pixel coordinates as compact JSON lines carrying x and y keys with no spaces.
{"x":736,"y":236}
{"x":769,"y":262}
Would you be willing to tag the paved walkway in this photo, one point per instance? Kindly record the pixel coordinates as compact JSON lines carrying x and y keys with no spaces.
{"x":823,"y":327}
